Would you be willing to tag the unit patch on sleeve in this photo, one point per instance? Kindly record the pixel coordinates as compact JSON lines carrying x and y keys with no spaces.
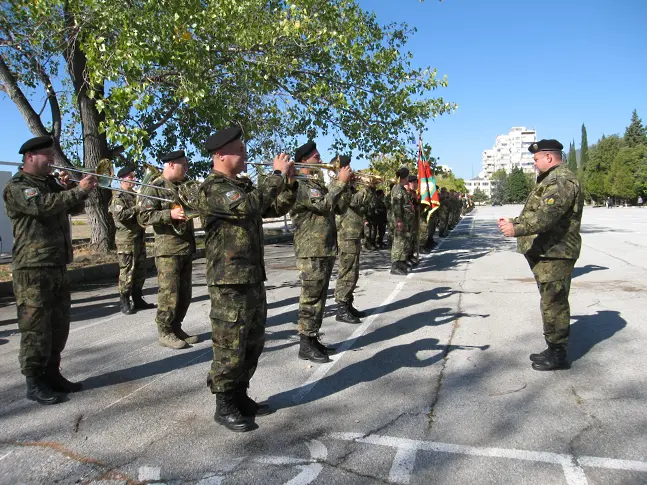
{"x":30,"y":193}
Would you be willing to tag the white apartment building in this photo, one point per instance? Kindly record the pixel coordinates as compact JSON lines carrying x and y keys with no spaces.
{"x":485,"y":185}
{"x":509,"y":151}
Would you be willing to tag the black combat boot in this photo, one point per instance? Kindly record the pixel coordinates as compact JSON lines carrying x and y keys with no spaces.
{"x":247,"y":406}
{"x":355,"y":312}
{"x":228,"y":414}
{"x":309,"y":350}
{"x":325,"y":349}
{"x":125,"y":305}
{"x":540,"y":356}
{"x":139,"y":303}
{"x":57,"y":383}
{"x":399,"y":268}
{"x":344,"y":314}
{"x":38,"y":391}
{"x":555,"y":359}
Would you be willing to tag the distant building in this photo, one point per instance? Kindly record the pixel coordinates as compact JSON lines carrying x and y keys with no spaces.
{"x":485,"y":185}
{"x":509,"y":151}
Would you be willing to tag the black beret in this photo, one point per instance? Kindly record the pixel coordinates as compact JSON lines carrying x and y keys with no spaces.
{"x":221,"y":137}
{"x":304,"y":150}
{"x":36,"y":144}
{"x":546,"y":146}
{"x":403,"y":172}
{"x":413,"y":178}
{"x":343,"y":160}
{"x":125,"y":171}
{"x":169,"y":157}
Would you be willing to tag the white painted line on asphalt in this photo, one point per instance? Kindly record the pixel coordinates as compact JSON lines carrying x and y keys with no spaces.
{"x":307,"y":475}
{"x":403,"y":464}
{"x":323,"y":369}
{"x":406,"y":448}
{"x":151,"y":382}
{"x":5,"y":455}
{"x":149,"y":473}
{"x":318,"y":451}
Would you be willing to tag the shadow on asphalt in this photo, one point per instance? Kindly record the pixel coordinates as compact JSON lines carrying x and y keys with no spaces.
{"x":589,"y":330}
{"x":589,"y":268}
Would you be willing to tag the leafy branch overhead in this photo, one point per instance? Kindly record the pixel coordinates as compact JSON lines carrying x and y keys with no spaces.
{"x":278,"y":69}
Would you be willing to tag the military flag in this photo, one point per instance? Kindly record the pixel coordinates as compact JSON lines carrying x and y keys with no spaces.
{"x":427,"y":184}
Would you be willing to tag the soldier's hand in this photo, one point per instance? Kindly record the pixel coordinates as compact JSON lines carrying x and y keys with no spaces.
{"x":177,"y":214}
{"x":345,"y":174}
{"x":282,"y":163}
{"x":400,"y":226}
{"x":506,"y":227}
{"x":88,"y":183}
{"x":292,"y":170}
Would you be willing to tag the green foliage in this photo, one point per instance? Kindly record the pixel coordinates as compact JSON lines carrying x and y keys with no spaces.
{"x":479,"y":196}
{"x":499,"y":188}
{"x":449,"y":181}
{"x":584,"y":149}
{"x":517,"y":187}
{"x":597,"y":169}
{"x":164,"y":75}
{"x":572,"y":158}
{"x":636,"y":133}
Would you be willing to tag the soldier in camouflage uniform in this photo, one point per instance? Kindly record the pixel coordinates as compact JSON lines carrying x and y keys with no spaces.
{"x":38,"y":207}
{"x":173,"y":250}
{"x":370,"y":218}
{"x":315,"y":245}
{"x":350,"y":211}
{"x":131,"y":247}
{"x":400,"y":215}
{"x":413,"y":212}
{"x":548,"y":232}
{"x":231,"y":209}
{"x":443,"y":212}
{"x":381,"y":215}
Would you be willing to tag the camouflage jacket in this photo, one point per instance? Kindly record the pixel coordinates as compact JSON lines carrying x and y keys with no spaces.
{"x":412,"y":211}
{"x":380,"y":210}
{"x":156,"y":213}
{"x":313,"y":218}
{"x":399,"y":203}
{"x":124,"y":208}
{"x":549,"y":224}
{"x":38,"y":208}
{"x":231,"y":210}
{"x":350,"y":210}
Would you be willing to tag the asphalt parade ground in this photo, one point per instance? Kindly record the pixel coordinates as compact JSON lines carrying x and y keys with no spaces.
{"x":434,"y":386}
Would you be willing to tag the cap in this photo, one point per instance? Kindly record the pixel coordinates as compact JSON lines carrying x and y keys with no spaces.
{"x":125,"y":171}
{"x":37,"y":143}
{"x":546,"y":146}
{"x":169,"y":157}
{"x":221,"y":137}
{"x":413,"y":178}
{"x":304,"y":150}
{"x":402,"y":172}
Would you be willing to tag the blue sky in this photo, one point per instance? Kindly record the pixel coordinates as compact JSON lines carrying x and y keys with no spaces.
{"x":549,"y":65}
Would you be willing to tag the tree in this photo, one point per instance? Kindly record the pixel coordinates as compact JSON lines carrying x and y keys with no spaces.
{"x":572,"y":158}
{"x":627,"y":173}
{"x":517,"y":188}
{"x":596,"y":172}
{"x":584,"y":149}
{"x":636,"y":133}
{"x":499,"y":187}
{"x":129,"y":80}
{"x":479,"y":196}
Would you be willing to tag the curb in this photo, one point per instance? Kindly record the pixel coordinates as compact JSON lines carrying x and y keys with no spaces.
{"x":103,"y":272}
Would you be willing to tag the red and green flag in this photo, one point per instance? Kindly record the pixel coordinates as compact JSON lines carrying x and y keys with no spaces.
{"x":427,"y":184}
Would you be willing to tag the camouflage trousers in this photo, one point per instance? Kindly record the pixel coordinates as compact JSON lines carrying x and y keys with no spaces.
{"x":431,"y":227}
{"x":43,"y":303}
{"x":443,"y":215}
{"x":174,"y":294}
{"x":553,"y":277}
{"x":347,"y":276}
{"x":314,"y":274}
{"x":238,"y":314}
{"x":401,"y":248}
{"x":132,"y":267}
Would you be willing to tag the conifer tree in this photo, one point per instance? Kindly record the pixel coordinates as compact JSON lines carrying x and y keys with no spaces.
{"x":636,"y":133}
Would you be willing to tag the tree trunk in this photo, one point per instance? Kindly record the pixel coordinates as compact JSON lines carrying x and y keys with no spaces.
{"x":95,"y":147}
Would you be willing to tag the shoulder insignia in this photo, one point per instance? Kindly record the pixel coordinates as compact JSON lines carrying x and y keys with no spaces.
{"x":147,"y":204}
{"x":314,"y":192}
{"x":119,"y":208}
{"x":550,"y":201}
{"x":30,"y":193}
{"x":233,"y":195}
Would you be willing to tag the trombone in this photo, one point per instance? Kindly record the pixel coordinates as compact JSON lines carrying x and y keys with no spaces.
{"x":294,"y":177}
